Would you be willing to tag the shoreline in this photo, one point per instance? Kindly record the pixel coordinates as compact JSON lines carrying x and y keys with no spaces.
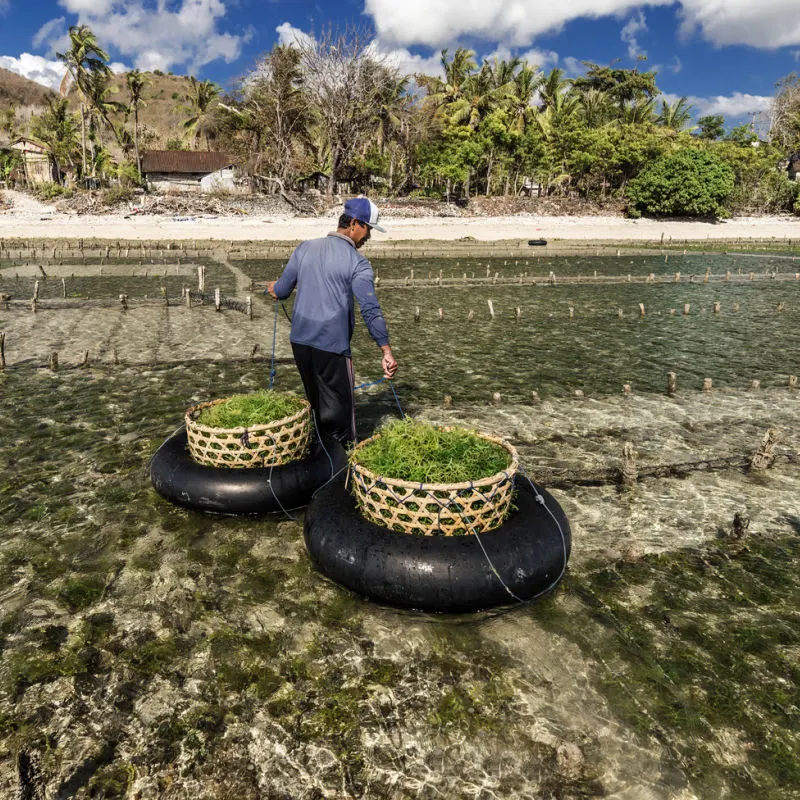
{"x":36,"y":221}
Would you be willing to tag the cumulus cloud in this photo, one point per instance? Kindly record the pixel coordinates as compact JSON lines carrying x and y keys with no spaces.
{"x":158,"y":34}
{"x":53,"y":34}
{"x":35,"y":68}
{"x":734,"y":107}
{"x":516,"y":23}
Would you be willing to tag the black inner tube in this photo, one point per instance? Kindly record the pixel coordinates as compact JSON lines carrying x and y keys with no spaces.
{"x":521,"y":560}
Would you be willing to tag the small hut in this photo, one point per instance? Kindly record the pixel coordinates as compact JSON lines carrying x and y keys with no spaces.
{"x":188,"y":170}
{"x":39,"y":164}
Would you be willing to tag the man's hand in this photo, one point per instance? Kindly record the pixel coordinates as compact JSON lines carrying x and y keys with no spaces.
{"x":271,"y":289}
{"x":388,"y":362}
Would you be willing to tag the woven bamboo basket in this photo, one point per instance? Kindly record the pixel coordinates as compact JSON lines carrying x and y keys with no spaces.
{"x":268,"y":445}
{"x":435,"y":509}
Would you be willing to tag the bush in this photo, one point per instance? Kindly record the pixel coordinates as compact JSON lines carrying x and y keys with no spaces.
{"x":687,"y":183}
{"x":50,"y":191}
{"x":128,"y":175}
{"x":116,"y":195}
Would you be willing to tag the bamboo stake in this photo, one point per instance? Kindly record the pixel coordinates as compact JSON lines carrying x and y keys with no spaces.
{"x":2,"y":349}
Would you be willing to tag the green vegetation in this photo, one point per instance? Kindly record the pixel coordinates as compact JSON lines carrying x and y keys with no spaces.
{"x":416,"y":451}
{"x":690,"y":183}
{"x":245,"y":410}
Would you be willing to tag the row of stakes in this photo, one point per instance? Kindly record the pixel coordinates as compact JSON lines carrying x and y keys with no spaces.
{"x":497,"y":397}
{"x":687,"y":307}
{"x":672,"y":389}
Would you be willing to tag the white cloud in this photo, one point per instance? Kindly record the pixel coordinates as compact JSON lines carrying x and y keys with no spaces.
{"x":36,"y":68}
{"x":517,"y":23}
{"x":766,"y":23}
{"x":54,"y":34}
{"x":160,"y":35}
{"x":635,"y":25}
{"x":733,"y":107}
{"x":4,"y":6}
{"x":289,"y":35}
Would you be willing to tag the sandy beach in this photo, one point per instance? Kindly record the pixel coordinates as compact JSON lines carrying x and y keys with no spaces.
{"x":30,"y":219}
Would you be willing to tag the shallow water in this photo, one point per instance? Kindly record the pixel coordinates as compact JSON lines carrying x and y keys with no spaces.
{"x":151,"y":650}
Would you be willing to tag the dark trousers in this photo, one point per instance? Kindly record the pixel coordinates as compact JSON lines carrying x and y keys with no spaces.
{"x":328,"y":382}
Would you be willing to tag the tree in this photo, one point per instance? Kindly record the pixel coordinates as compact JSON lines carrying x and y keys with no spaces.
{"x":58,"y":129}
{"x":689,"y":182}
{"x":626,"y":87}
{"x":136,"y":83}
{"x":203,"y":98}
{"x":83,"y":60}
{"x":785,"y":125}
{"x":711,"y":127}
{"x":675,"y":115}
{"x":345,"y":80}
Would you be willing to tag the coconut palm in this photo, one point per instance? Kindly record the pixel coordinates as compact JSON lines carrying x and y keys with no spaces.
{"x":203,"y":97}
{"x":526,"y":85}
{"x":675,"y":115}
{"x":136,"y":83}
{"x":84,"y":59}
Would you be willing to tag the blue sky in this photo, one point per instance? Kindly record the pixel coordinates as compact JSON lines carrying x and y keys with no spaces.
{"x":725,"y":55}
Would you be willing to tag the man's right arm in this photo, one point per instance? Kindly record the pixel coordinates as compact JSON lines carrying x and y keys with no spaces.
{"x":283,"y":287}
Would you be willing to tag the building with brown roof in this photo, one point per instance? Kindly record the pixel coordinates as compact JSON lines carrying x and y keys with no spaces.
{"x":188,"y":171}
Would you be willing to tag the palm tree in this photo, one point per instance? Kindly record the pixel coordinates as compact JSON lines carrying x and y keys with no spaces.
{"x":443,"y":92}
{"x":675,"y":115}
{"x":527,"y":83}
{"x":84,"y":59}
{"x":597,"y":108}
{"x":203,"y":97}
{"x":136,"y":83}
{"x":101,"y":107}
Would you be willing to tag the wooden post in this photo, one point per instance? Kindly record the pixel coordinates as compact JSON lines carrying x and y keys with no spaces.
{"x":793,"y":381}
{"x":470,"y":316}
{"x":123,"y":299}
{"x":517,"y":314}
{"x":717,"y":307}
{"x":85,"y":359}
{"x":728,"y":275}
{"x":54,"y":360}
{"x":416,"y":314}
{"x":494,"y":279}
{"x":629,"y":472}
{"x":672,"y":383}
{"x":33,"y":305}
{"x":441,"y":315}
{"x":253,"y":352}
{"x":579,"y":393}
{"x":686,"y":309}
{"x":249,"y":307}
{"x":641,"y":309}
{"x":217,"y":301}
{"x":2,"y":349}
{"x":36,"y":290}
{"x":780,"y":307}
{"x":619,"y":313}
{"x":677,"y":277}
{"x":708,"y":384}
{"x":752,"y":276}
{"x":63,"y":287}
{"x":735,"y":306}
{"x":447,"y":401}
{"x":114,"y":356}
{"x":497,"y":398}
{"x":571,"y":312}
{"x":626,"y":389}
{"x":535,"y":397}
{"x":756,"y":384}
{"x":188,"y":298}
{"x":651,"y":277}
{"x":491,"y":308}
{"x":765,"y":455}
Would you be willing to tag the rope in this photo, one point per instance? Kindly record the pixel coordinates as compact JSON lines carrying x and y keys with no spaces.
{"x":391,"y":385}
{"x":274,"y":338}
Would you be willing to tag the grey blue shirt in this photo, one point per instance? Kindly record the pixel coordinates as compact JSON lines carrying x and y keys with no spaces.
{"x":328,"y":273}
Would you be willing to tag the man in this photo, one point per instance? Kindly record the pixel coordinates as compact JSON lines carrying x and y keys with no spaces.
{"x":328,"y":273}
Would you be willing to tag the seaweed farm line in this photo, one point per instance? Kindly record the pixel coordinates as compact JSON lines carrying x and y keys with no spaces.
{"x":152,"y":652}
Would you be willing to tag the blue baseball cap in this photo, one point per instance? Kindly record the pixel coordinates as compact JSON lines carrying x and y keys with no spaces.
{"x":364,"y":210}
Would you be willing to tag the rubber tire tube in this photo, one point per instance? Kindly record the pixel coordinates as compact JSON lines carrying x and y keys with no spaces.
{"x":260,"y":490}
{"x":439,"y":573}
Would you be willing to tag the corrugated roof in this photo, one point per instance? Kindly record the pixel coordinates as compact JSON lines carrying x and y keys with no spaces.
{"x":184,"y":161}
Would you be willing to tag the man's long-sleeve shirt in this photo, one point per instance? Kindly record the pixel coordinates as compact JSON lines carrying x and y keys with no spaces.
{"x":328,"y":273}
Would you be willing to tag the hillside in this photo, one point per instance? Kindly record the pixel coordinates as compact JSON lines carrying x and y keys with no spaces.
{"x":26,"y":97}
{"x":160,"y":118}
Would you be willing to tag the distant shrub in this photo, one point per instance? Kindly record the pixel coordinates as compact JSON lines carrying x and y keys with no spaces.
{"x":128,"y":175}
{"x":175,"y":95}
{"x":116,"y":195}
{"x":157,"y":72}
{"x":687,"y":183}
{"x":50,"y":191}
{"x":175,"y":144}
